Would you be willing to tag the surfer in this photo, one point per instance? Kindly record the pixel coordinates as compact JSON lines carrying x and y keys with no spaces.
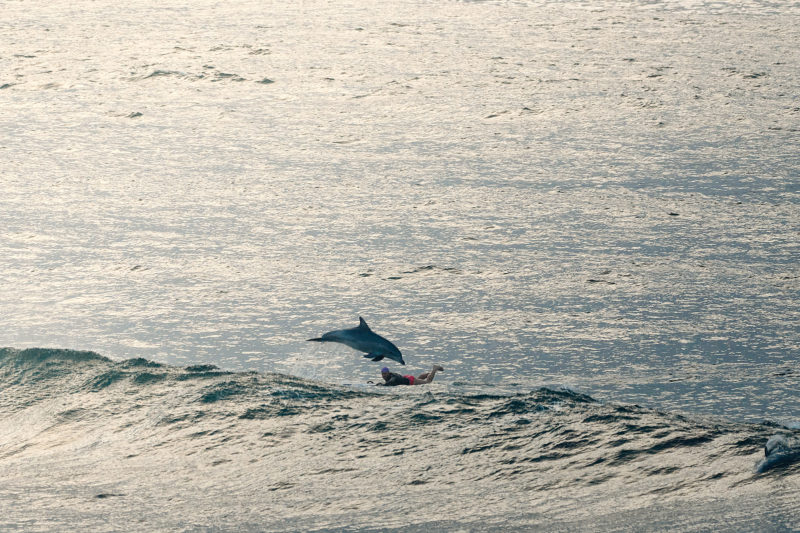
{"x":390,"y":379}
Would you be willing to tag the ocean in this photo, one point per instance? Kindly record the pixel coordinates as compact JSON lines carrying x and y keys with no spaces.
{"x":587,"y":212}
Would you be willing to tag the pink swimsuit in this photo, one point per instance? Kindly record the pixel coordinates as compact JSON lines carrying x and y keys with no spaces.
{"x":410,"y":379}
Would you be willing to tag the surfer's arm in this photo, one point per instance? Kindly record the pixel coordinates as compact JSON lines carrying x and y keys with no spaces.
{"x":395,"y":380}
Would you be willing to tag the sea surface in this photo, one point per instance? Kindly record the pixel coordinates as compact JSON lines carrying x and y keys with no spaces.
{"x":587,"y":212}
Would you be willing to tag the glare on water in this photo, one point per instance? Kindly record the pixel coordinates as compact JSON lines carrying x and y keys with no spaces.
{"x":589,"y":193}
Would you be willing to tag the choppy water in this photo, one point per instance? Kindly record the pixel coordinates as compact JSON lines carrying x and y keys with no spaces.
{"x":135,"y":445}
{"x":597,"y":195}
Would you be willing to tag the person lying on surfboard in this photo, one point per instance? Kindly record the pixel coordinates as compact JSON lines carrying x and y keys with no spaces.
{"x":390,"y":379}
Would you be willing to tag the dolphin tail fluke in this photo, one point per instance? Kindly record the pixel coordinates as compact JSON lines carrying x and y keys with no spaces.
{"x":318,"y":339}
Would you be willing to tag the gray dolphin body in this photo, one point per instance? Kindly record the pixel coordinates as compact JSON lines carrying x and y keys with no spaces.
{"x":363,"y":339}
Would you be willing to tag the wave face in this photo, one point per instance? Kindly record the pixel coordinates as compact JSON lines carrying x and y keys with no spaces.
{"x":136,"y":445}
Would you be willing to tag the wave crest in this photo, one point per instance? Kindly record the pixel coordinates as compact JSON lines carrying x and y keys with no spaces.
{"x":57,"y":392}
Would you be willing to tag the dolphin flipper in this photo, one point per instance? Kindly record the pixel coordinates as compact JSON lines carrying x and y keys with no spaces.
{"x":373,"y":356}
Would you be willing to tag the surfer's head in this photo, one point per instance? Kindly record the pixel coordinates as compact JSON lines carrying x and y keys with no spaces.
{"x":385,"y":370}
{"x":385,"y":374}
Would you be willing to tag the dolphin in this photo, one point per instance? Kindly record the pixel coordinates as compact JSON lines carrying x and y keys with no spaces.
{"x":363,"y":339}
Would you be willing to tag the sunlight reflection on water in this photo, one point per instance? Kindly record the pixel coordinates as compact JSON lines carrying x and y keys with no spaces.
{"x":589,"y":193}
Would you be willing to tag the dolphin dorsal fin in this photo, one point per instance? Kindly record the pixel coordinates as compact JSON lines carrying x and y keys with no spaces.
{"x":362,"y":324}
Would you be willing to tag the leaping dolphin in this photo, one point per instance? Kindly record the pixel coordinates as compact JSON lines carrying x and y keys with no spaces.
{"x":363,"y":339}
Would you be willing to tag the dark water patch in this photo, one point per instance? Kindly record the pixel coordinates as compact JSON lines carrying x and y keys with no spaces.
{"x":644,"y":429}
{"x":223,"y":391}
{"x":477,"y":449}
{"x":33,"y":356}
{"x":427,"y":399}
{"x":624,"y":456}
{"x":546,"y":457}
{"x":106,"y":379}
{"x":294,"y":390}
{"x":476,"y":399}
{"x":168,"y":73}
{"x":71,"y":415}
{"x":201,"y":368}
{"x":104,"y":495}
{"x":333,"y":471}
{"x":681,"y":441}
{"x":748,"y":445}
{"x":516,"y":407}
{"x":600,"y":479}
{"x":378,"y":426}
{"x":283,"y":485}
{"x":516,"y":426}
{"x":424,"y":418}
{"x":433,"y":268}
{"x":140,"y":362}
{"x":146,"y":378}
{"x":571,"y":444}
{"x":661,"y":471}
{"x":219,"y":76}
{"x":209,"y":73}
{"x":202,"y":375}
{"x":545,"y":394}
{"x":267,"y":411}
{"x":662,"y":434}
{"x":456,"y":412}
{"x":512,"y":448}
{"x":606,"y":418}
{"x":538,"y":401}
{"x":667,"y":489}
{"x":183,"y":417}
{"x":635,"y":410}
